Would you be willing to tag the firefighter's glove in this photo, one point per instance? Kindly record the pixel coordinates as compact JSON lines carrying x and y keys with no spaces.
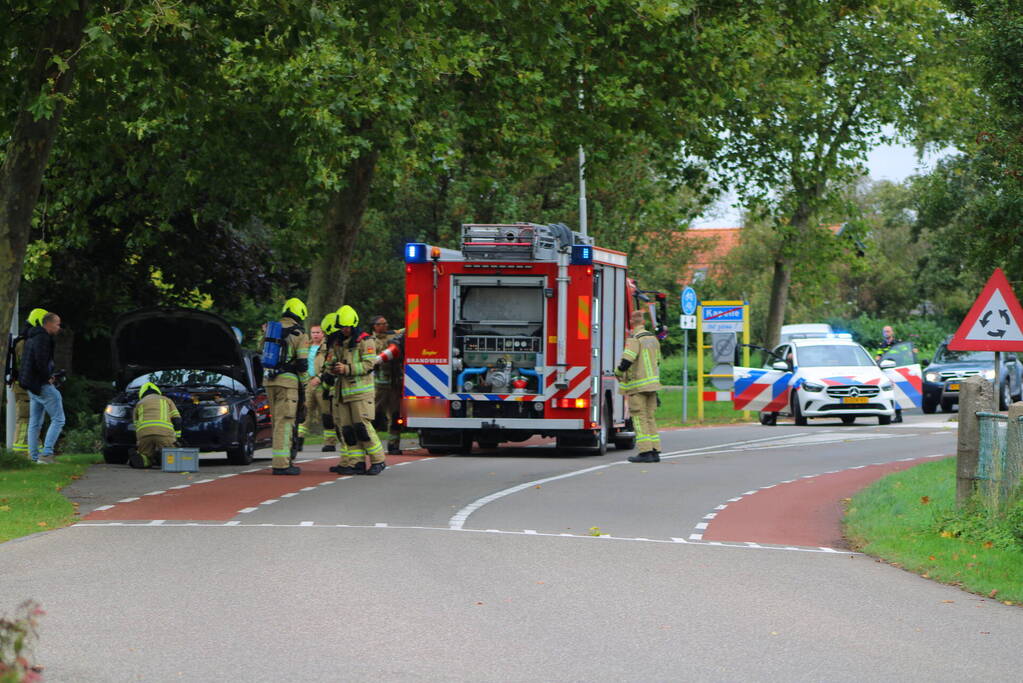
{"x":624,"y":365}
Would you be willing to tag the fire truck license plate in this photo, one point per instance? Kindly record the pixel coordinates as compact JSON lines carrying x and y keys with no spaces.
{"x":952,"y":387}
{"x":854,"y":399}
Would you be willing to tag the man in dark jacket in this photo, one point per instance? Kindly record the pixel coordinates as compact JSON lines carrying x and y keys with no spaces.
{"x":36,"y":376}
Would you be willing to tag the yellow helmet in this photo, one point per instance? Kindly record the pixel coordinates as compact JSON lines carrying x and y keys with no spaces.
{"x":347,"y":317}
{"x":296,"y":308}
{"x":35,"y":316}
{"x":148,"y":386}
{"x":329,"y":324}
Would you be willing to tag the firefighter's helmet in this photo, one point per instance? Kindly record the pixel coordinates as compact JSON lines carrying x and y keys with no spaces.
{"x":35,"y":316}
{"x":347,"y":317}
{"x":296,"y":308}
{"x":329,"y":324}
{"x":148,"y":387}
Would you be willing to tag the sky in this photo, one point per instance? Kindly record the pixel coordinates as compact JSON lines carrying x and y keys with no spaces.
{"x":886,"y":162}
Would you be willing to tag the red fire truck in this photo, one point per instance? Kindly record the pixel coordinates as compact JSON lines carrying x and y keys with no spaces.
{"x":517,"y":335}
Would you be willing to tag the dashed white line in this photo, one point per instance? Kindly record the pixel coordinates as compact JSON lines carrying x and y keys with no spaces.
{"x":289,"y":495}
{"x":313,"y":525}
{"x":269,"y":502}
{"x":103,"y":507}
{"x":244,"y":511}
{"x":153,"y":493}
{"x":127,"y":500}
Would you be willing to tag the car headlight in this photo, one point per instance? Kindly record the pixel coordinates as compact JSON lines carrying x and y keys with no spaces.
{"x":119,"y":411}
{"x":210,"y":412}
{"x":989,"y":374}
{"x":932,"y":376}
{"x":886,"y":386}
{"x":812,"y":386}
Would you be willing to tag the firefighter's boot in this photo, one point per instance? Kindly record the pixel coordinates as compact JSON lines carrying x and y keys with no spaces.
{"x":376,"y":468}
{"x":394,"y":447}
{"x":287,"y":470}
{"x":645,"y":456}
{"x":328,"y":448}
{"x":656,"y":456}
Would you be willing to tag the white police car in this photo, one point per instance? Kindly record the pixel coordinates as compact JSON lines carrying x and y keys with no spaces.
{"x":810,"y":378}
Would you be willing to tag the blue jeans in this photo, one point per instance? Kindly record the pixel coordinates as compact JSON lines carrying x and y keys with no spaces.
{"x":49,"y":401}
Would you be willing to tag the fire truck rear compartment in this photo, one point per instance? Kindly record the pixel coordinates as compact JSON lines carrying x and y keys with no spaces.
{"x":498,"y":338}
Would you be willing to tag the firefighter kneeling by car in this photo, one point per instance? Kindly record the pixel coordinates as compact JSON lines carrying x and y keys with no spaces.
{"x":350,"y":360}
{"x":157,"y":426}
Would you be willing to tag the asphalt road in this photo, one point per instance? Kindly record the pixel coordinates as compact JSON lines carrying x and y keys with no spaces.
{"x":518,"y":564}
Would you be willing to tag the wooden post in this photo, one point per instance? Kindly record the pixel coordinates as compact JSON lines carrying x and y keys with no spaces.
{"x":975,"y":395}
{"x":1013,"y":452}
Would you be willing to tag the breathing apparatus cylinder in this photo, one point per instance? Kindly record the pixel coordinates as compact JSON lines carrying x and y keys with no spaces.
{"x":273,"y":344}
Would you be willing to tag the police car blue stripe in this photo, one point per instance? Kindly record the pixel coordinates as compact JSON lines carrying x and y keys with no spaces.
{"x":492,"y":397}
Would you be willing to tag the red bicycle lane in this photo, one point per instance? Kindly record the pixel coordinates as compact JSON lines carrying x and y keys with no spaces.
{"x":804,"y":512}
{"x":221,"y":498}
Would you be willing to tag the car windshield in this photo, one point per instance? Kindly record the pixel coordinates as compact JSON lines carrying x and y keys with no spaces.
{"x":192,"y":378}
{"x":824,"y":356}
{"x":947,"y":355}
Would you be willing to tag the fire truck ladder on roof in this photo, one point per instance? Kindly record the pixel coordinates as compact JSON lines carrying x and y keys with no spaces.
{"x":517,"y":241}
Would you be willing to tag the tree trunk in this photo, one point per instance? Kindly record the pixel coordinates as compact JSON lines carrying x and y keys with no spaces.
{"x":795,"y":236}
{"x":779,"y":299}
{"x":341,"y":227}
{"x":27,"y":152}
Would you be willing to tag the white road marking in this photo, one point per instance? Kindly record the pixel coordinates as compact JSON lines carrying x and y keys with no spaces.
{"x":175,"y":488}
{"x":127,"y":500}
{"x":153,"y":493}
{"x":269,"y":502}
{"x":289,"y":495}
{"x":313,"y":525}
{"x":244,"y":511}
{"x":103,"y":507}
{"x":458,"y":520}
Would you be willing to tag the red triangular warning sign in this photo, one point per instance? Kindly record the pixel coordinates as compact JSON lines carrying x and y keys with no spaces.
{"x":994,"y":322}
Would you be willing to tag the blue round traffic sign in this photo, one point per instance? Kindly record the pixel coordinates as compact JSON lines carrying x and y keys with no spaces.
{"x":689,"y":301}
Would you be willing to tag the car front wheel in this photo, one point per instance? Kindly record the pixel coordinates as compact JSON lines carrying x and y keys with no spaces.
{"x":884,"y":419}
{"x":929,"y":406}
{"x":768,"y":419}
{"x":115,"y":455}
{"x":797,"y":414}
{"x":244,"y":453}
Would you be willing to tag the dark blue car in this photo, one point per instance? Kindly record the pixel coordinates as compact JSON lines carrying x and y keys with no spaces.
{"x":196,"y":360}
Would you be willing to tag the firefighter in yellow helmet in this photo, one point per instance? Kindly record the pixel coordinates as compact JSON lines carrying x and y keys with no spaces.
{"x":284,"y":384}
{"x":639,"y":379}
{"x":21,"y":400}
{"x":317,"y":407}
{"x":157,"y":426}
{"x":350,"y":360}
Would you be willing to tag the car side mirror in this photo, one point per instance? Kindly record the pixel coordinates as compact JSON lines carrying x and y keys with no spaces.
{"x":924,"y":362}
{"x":780,"y":365}
{"x":886,"y":364}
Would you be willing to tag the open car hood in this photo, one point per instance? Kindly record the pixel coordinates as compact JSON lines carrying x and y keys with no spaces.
{"x":154,"y":339}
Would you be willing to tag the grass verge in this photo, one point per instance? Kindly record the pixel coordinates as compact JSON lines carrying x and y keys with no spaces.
{"x":910,"y":520}
{"x":30,"y":498}
{"x":669,"y":414}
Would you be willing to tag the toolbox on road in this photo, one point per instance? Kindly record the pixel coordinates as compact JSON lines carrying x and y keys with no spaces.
{"x":180,"y":459}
